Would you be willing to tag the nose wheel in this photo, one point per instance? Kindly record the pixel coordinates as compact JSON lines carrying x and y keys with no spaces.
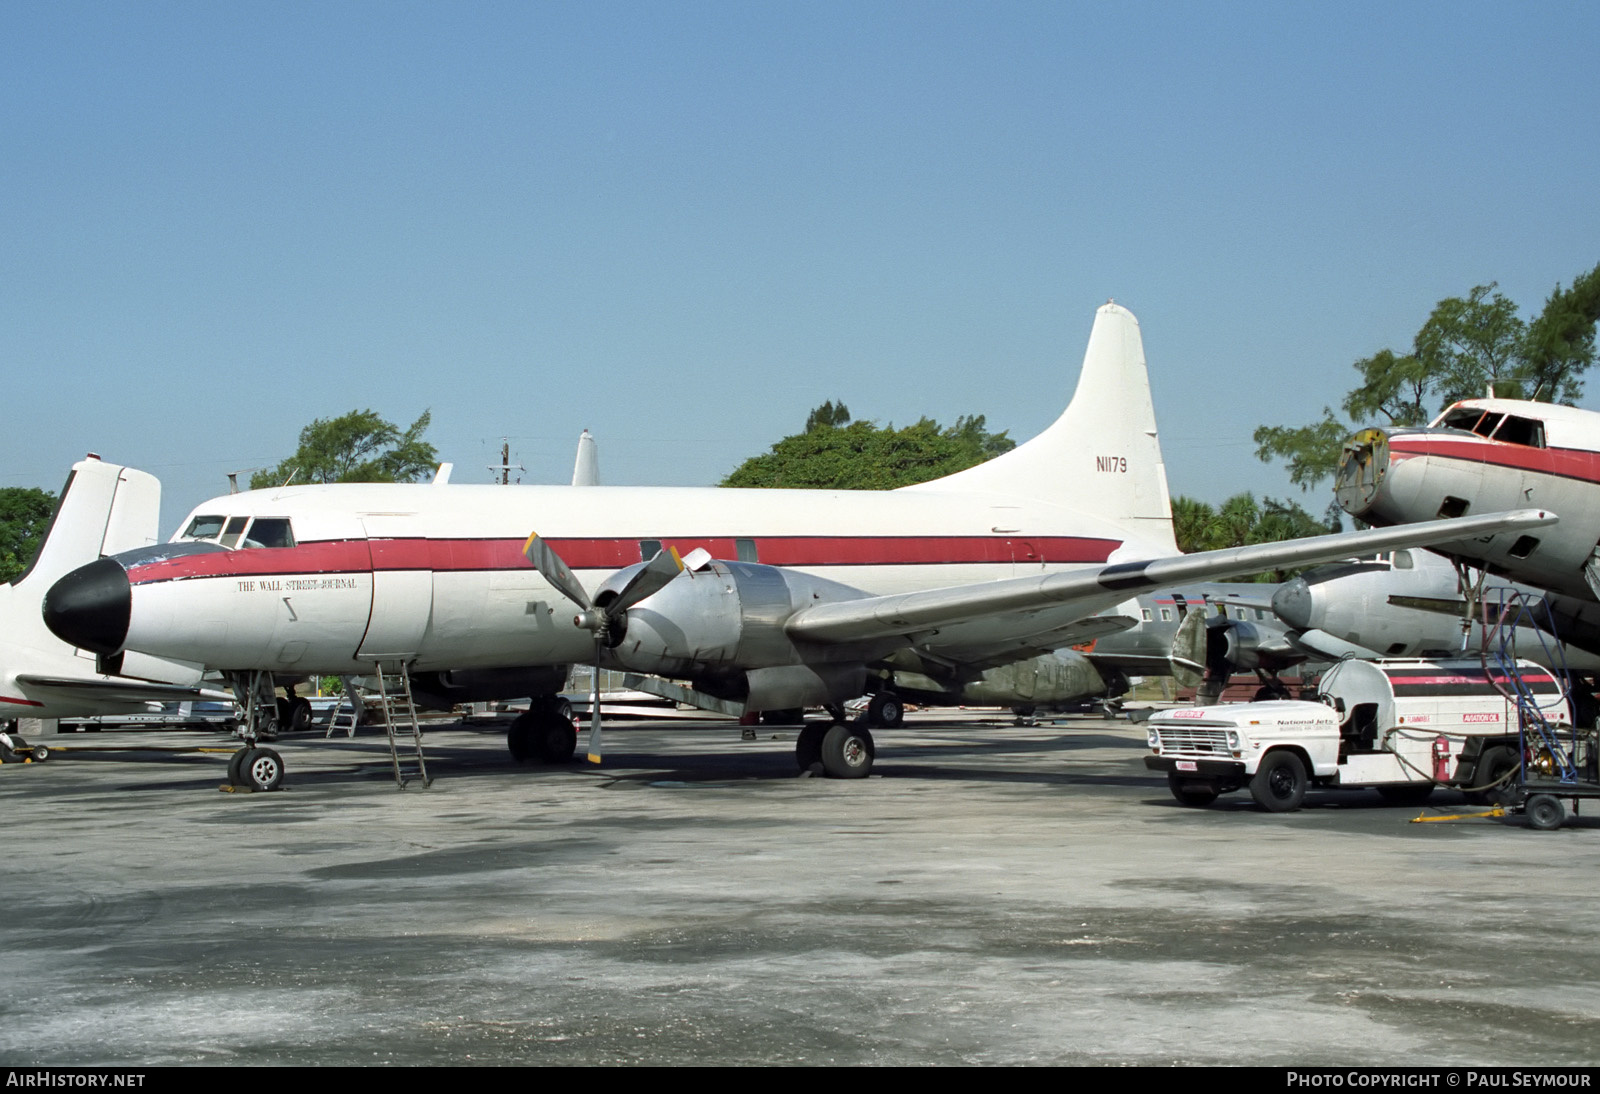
{"x":255,"y":768}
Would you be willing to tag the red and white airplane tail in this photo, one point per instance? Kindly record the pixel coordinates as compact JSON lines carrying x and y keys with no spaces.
{"x":1102,"y":456}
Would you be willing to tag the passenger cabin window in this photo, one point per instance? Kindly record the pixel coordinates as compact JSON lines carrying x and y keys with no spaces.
{"x":1166,"y":615}
{"x":1402,"y":560}
{"x":746,"y":550}
{"x":1146,"y":613}
{"x":648,"y":549}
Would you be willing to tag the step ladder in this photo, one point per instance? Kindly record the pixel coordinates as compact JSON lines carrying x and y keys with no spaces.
{"x":1508,"y":612}
{"x":400,"y":720}
{"x":336,"y":720}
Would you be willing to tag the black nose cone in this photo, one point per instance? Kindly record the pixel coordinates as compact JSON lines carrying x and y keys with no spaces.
{"x":90,"y":607}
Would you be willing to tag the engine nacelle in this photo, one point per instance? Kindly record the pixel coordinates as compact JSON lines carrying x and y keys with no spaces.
{"x":722,"y":626}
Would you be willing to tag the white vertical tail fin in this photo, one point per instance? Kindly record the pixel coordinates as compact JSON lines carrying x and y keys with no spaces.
{"x":1102,"y":456}
{"x":104,"y":509}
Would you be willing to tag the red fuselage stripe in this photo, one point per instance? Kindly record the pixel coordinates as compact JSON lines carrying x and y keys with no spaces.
{"x":465,"y":555}
{"x":1567,"y":463}
{"x":22,"y":702}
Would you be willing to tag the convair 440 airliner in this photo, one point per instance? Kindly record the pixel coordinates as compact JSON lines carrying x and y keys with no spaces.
{"x":753,"y":599}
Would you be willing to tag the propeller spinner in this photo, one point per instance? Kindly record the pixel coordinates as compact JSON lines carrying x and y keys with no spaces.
{"x":602,"y":620}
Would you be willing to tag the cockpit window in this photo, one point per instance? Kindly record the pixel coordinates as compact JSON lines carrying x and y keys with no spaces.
{"x":204,"y":528}
{"x":269,"y":532}
{"x":1501,"y":427}
{"x":1526,"y":431}
{"x":231,"y":531}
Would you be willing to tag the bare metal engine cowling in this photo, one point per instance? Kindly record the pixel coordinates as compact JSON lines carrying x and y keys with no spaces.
{"x":722,"y":626}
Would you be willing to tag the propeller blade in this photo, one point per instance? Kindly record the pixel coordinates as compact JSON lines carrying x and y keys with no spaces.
{"x":651,"y":579}
{"x":555,"y":571}
{"x":594,"y":708}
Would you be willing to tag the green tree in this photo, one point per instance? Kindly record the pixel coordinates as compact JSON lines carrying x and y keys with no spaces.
{"x":1468,"y":345}
{"x":836,"y":453}
{"x":1241,"y":521}
{"x":357,"y":447}
{"x":25,"y":513}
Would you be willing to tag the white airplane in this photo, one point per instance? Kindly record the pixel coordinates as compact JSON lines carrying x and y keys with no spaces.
{"x":785,"y":598}
{"x":1481,"y":455}
{"x":103,"y":509}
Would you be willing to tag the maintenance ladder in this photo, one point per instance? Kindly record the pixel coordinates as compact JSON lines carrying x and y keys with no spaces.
{"x":399,"y":710}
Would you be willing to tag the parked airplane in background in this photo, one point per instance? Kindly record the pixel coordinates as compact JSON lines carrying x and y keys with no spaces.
{"x":782,"y":598}
{"x":1482,"y":455}
{"x":103,"y":509}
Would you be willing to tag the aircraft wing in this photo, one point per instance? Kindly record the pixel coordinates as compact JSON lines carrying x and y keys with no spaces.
{"x":993,"y":654}
{"x":1022,"y":609}
{"x":116,"y":691}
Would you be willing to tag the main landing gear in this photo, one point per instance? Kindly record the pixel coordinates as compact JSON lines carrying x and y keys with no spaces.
{"x":545,"y":733}
{"x":843,"y":751}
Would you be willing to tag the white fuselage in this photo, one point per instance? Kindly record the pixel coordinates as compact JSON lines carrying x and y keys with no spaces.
{"x":434,"y":574}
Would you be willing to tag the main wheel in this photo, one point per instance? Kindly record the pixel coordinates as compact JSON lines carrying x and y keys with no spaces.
{"x":1191,"y":792}
{"x":1497,"y":762}
{"x":885,"y":709}
{"x":1406,"y":793}
{"x":262,"y":769}
{"x":520,"y":737}
{"x":1279,"y":784}
{"x":847,"y":752}
{"x":297,"y":718}
{"x":555,"y":738}
{"x":808,"y":746}
{"x":1545,"y":812}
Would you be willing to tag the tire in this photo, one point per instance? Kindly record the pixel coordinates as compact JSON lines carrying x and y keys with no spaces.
{"x":886,"y":709}
{"x":562,"y":708}
{"x":847,"y":752}
{"x":555,"y":739}
{"x":520,"y":737}
{"x":1406,"y":794}
{"x":1279,"y":784}
{"x":235,"y":765}
{"x":1494,"y":764}
{"x":262,"y":769}
{"x":1191,"y":792}
{"x":808,"y":746}
{"x":794,"y":716}
{"x":298,"y":717}
{"x":1545,"y":812}
{"x":39,"y":753}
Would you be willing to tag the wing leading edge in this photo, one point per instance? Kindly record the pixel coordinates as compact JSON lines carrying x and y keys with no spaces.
{"x":972,"y":615}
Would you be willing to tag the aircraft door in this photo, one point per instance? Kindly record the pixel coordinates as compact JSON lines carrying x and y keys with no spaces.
{"x":402,"y":589}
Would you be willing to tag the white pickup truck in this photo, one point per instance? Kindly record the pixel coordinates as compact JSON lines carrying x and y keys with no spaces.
{"x":1401,"y":727}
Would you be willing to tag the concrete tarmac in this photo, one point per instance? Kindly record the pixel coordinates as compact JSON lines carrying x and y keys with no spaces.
{"x":993,"y":895}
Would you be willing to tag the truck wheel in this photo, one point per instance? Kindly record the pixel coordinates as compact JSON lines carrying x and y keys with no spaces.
{"x":1191,"y":792}
{"x":1545,"y":812}
{"x":1406,"y":794}
{"x":1495,"y":764}
{"x":1279,"y":785}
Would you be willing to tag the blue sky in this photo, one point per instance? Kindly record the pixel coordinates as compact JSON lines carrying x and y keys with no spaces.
{"x":681,"y":226}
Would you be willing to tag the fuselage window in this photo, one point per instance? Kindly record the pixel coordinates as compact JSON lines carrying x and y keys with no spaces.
{"x":235,"y":528}
{"x":1402,"y":560}
{"x":746,"y":550}
{"x":648,"y":549}
{"x":1166,"y":615}
{"x":1146,"y":613}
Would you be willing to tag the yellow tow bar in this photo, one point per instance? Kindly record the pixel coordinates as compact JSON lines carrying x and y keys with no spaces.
{"x":1497,"y":811}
